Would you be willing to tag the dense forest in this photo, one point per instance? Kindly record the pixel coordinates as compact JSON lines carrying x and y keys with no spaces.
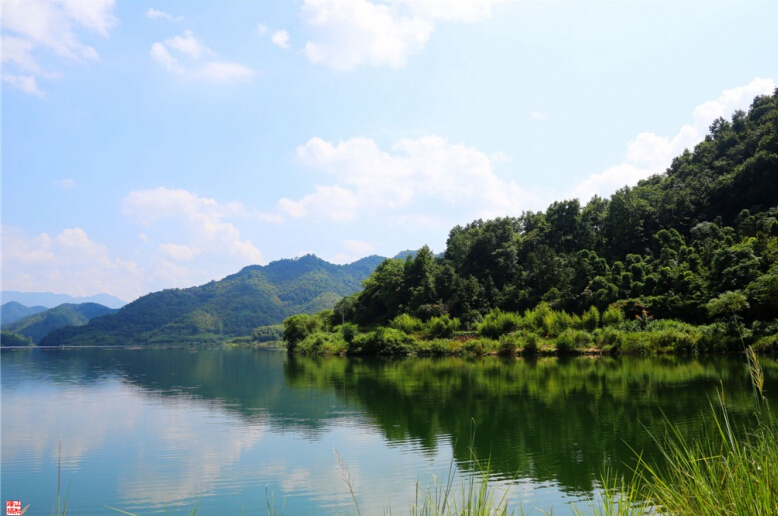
{"x":696,"y":244}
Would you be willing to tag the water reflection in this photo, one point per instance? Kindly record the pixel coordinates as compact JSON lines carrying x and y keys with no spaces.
{"x":152,"y":430}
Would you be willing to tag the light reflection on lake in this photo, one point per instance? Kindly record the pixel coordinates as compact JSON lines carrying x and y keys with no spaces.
{"x":160,"y":431}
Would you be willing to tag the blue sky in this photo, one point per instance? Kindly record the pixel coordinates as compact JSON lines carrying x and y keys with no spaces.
{"x":151,"y":145}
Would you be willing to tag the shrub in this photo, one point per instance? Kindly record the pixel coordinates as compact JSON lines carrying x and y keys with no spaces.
{"x":591,"y":319}
{"x":321,"y":343}
{"x":555,"y":323}
{"x":349,"y":331}
{"x":634,"y":343}
{"x":535,"y":319}
{"x":613,"y":316}
{"x":442,"y":327}
{"x":531,"y":344}
{"x":767,"y":344}
{"x":298,"y":327}
{"x":571,"y":340}
{"x":384,"y":341}
{"x":498,"y":323}
{"x":609,"y":339}
{"x":480,"y":346}
{"x":407,"y":323}
{"x":508,"y":344}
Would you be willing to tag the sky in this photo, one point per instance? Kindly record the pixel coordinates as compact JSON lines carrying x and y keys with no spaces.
{"x":165,"y":144}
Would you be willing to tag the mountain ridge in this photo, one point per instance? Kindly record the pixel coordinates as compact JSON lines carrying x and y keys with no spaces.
{"x":257,"y":295}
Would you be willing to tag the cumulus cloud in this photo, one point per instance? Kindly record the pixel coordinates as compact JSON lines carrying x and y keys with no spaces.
{"x":154,"y":14}
{"x":650,"y":153}
{"x":186,"y":56}
{"x":33,"y":25}
{"x":414,"y":178}
{"x":349,"y":33}
{"x":26,"y":83}
{"x":68,"y":262}
{"x":197,"y":222}
{"x":280,"y":38}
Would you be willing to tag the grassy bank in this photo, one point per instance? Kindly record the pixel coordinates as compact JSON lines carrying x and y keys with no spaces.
{"x":540,"y":331}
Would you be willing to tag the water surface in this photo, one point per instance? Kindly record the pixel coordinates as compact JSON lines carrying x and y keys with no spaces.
{"x":160,"y":431}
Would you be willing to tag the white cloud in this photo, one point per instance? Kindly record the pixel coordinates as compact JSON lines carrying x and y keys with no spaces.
{"x":26,"y":83}
{"x":154,"y":14}
{"x":188,"y":44}
{"x":186,"y":56}
{"x":349,"y":33}
{"x":163,"y":58}
{"x":261,"y":29}
{"x":29,"y":25}
{"x":358,"y":248}
{"x":179,"y":252}
{"x":280,"y":38}
{"x":650,"y":153}
{"x":416,"y":177}
{"x":354,"y":32}
{"x":69,"y":262}
{"x":333,"y":203}
{"x":219,"y":71}
{"x":197,"y":222}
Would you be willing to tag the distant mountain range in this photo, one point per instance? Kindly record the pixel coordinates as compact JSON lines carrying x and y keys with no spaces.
{"x":50,"y":300}
{"x":220,"y":310}
{"x":39,"y":324}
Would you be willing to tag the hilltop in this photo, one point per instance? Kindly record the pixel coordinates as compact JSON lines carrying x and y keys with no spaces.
{"x":39,"y":324}
{"x":220,"y":310}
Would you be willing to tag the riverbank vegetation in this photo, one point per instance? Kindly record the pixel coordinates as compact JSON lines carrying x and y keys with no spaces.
{"x":684,"y":261}
{"x":538,"y":331}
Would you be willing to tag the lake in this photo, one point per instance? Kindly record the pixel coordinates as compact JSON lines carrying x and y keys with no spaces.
{"x":163,"y":431}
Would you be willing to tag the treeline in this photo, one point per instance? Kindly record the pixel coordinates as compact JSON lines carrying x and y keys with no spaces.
{"x":695,"y":244}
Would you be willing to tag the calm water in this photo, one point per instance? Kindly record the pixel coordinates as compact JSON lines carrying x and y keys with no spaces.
{"x":160,"y":431}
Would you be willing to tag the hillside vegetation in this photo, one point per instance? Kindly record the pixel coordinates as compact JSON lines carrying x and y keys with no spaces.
{"x":12,"y":311}
{"x":695,"y":245}
{"x":220,"y":310}
{"x":40,"y":324}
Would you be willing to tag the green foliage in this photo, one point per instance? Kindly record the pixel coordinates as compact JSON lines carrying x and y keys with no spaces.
{"x":221,"y":310}
{"x":727,"y":304}
{"x":10,"y":339}
{"x":40,"y":324}
{"x":768,"y":344}
{"x":407,"y":323}
{"x":383,"y":341}
{"x":268,"y":333}
{"x":349,"y":332}
{"x":322,"y":343}
{"x":591,"y":319}
{"x":613,"y":316}
{"x":497,"y":323}
{"x":571,"y":340}
{"x":481,"y":346}
{"x":298,"y":327}
{"x":557,"y":322}
{"x":442,"y":327}
{"x":667,"y":246}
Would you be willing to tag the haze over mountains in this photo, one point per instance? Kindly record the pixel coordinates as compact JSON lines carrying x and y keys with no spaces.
{"x":51,"y":300}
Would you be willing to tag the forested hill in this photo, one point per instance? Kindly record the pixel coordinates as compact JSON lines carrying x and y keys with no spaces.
{"x":669,"y":245}
{"x":234,"y":306}
{"x":39,"y":324}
